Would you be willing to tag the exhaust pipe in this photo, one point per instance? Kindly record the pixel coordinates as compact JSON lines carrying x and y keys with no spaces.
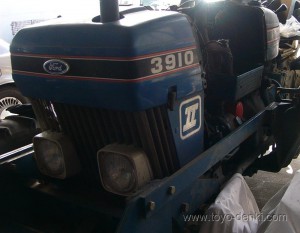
{"x":109,"y":10}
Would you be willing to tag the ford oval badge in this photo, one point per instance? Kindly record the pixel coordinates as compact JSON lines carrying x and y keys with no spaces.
{"x":56,"y":66}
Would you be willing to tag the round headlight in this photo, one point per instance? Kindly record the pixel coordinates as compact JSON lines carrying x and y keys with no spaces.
{"x":123,"y":169}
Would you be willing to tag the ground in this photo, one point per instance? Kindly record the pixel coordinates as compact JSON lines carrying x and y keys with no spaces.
{"x":265,"y":184}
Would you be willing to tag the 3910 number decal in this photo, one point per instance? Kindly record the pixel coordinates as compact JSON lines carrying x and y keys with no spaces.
{"x":171,"y":61}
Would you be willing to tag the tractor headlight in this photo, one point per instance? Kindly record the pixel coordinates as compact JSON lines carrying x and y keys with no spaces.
{"x":123,"y":169}
{"x":55,"y":155}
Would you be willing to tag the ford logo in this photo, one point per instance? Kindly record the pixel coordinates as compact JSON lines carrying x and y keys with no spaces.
{"x":55,"y":66}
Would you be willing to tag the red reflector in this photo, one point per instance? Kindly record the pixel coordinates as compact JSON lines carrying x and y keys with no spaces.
{"x":239,"y":110}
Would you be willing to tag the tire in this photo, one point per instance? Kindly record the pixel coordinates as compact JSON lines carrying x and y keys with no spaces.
{"x":10,"y":96}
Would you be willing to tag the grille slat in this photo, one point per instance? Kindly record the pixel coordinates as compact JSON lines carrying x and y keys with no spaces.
{"x":136,"y":140}
{"x":87,"y":129}
{"x":169,"y":150}
{"x":124,"y":130}
{"x":115,"y":126}
{"x":73,"y":122}
{"x":78,"y":123}
{"x":106,"y":122}
{"x":91,"y":148}
{"x":157,"y":141}
{"x":148,"y":143}
{"x":91,"y":129}
{"x":94,"y":132}
{"x":100,"y":128}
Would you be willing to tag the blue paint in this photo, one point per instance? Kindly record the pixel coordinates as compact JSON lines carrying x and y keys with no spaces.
{"x":118,"y":96}
{"x":189,"y":146}
{"x":189,"y":188}
{"x":137,"y":34}
{"x":135,"y":221}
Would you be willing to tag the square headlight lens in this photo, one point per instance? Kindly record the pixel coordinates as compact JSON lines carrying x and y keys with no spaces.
{"x":50,"y":157}
{"x":55,"y":155}
{"x":123,"y":169}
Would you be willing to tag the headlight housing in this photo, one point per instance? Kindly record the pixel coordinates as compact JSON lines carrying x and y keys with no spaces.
{"x":123,"y":169}
{"x":55,"y":155}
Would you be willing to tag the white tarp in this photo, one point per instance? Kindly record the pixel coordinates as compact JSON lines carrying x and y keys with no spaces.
{"x":290,"y":28}
{"x":234,"y":210}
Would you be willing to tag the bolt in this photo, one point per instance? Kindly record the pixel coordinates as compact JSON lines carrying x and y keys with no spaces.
{"x":171,"y":190}
{"x":151,"y":205}
{"x":185,"y":207}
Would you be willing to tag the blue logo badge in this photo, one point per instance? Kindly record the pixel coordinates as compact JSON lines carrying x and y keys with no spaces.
{"x":190,"y":117}
{"x":56,"y":66}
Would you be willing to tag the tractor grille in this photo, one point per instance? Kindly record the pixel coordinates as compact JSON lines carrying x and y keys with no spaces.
{"x":91,"y":129}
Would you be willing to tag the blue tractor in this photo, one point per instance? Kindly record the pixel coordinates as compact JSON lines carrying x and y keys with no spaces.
{"x":140,"y":116}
